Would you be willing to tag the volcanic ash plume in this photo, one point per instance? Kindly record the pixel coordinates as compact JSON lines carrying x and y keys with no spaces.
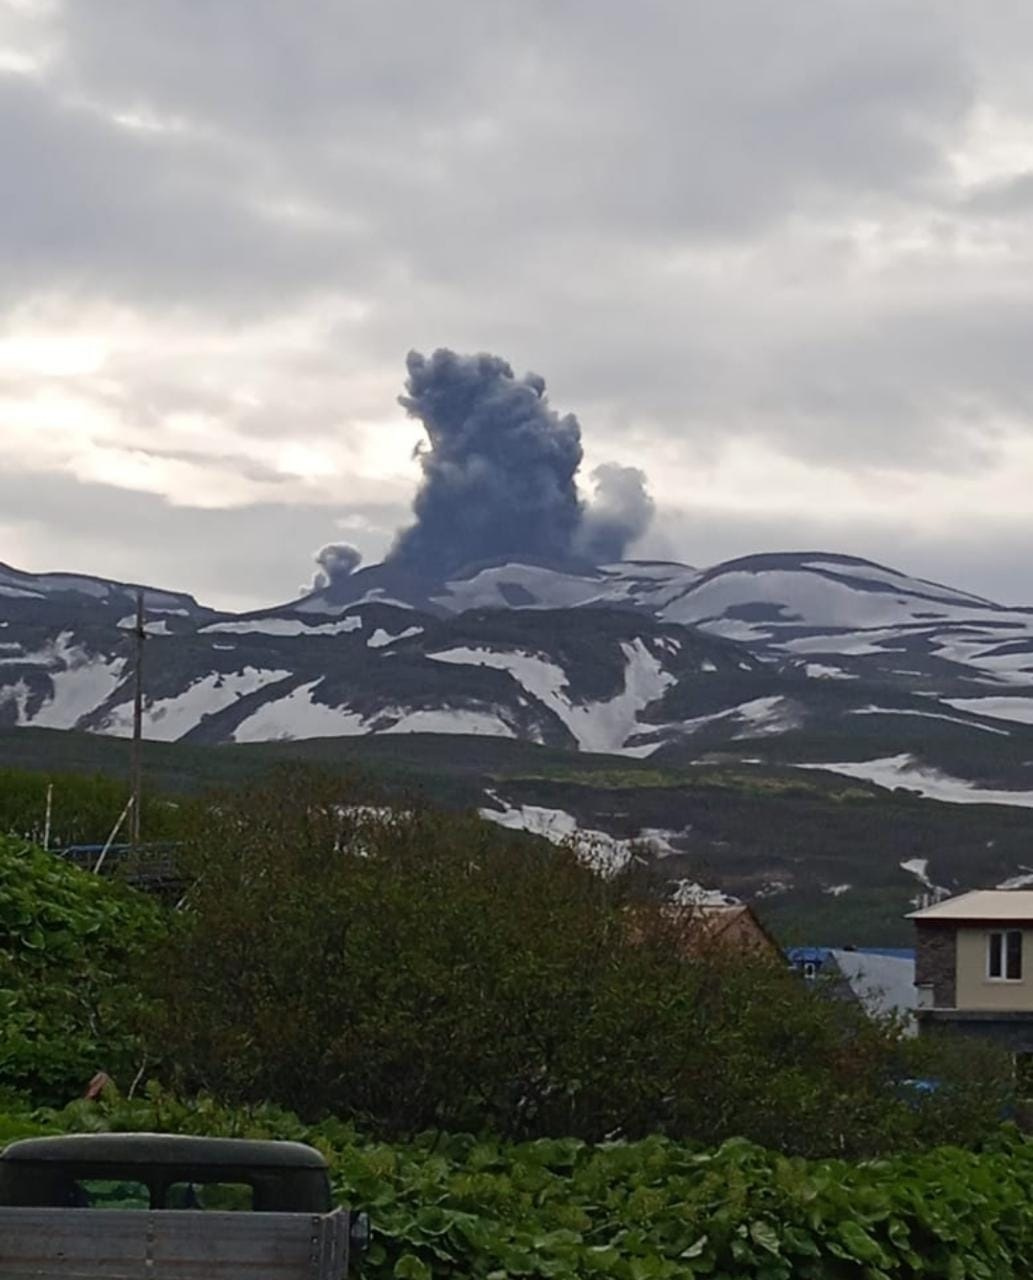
{"x":500,"y":473}
{"x":620,"y":512}
{"x":336,"y":561}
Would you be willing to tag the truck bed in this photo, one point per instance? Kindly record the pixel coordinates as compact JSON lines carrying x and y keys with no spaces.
{"x":102,"y":1244}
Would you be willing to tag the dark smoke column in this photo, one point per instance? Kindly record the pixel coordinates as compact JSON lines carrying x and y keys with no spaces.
{"x":499,"y":471}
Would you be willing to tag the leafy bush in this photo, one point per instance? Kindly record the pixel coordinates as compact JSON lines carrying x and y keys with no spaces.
{"x":416,"y":970}
{"x":639,"y":1211}
{"x":71,"y":951}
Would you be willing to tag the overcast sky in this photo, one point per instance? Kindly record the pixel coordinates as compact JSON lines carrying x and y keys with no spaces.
{"x":776,"y":254}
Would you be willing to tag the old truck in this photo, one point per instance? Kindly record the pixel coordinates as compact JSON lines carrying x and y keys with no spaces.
{"x":143,"y":1206}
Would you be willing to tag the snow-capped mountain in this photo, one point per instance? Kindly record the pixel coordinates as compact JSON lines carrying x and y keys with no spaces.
{"x":806,"y":659}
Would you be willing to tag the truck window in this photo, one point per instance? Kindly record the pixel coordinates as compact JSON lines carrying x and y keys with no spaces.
{"x":109,"y":1193}
{"x":220,"y":1197}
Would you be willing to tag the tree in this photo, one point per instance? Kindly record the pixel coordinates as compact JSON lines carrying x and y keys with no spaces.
{"x":413,"y":969}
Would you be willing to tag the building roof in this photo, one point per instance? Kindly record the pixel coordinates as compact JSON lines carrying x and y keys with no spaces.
{"x":981,"y":904}
{"x":808,"y":955}
{"x":165,"y":1148}
{"x":735,"y":924}
{"x":818,"y":955}
{"x":883,"y":984}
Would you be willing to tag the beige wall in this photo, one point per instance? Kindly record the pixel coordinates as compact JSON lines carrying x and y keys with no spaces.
{"x":975,"y":989}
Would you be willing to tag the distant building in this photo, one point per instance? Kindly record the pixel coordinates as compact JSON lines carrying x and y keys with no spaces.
{"x":974,"y":967}
{"x":880,"y":979}
{"x":702,"y":928}
{"x":733,"y":927}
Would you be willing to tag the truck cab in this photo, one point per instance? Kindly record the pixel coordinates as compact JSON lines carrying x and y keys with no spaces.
{"x":101,"y":1206}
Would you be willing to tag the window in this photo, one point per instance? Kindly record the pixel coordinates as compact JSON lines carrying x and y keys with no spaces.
{"x":108,"y":1193}
{"x":225,"y":1197}
{"x":1004,"y":955}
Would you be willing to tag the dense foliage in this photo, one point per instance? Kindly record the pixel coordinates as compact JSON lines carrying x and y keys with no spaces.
{"x":72,"y":949}
{"x":417,"y":970}
{"x":652,"y":1210}
{"x":409,"y":971}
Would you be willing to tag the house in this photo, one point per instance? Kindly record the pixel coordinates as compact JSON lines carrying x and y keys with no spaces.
{"x":707,"y":927}
{"x":880,"y":979}
{"x":974,"y":966}
{"x":733,"y":927}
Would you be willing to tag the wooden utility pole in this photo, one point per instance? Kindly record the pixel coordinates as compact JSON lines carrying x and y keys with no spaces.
{"x":48,"y":816}
{"x":136,"y":759}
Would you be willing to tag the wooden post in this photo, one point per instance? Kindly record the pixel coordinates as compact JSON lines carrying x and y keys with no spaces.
{"x":136,"y":759}
{"x":48,"y":816}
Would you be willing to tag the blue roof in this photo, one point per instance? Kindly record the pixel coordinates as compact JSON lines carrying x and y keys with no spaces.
{"x":808,"y":955}
{"x":818,"y":955}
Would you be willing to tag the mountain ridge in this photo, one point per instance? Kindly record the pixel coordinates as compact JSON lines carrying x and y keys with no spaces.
{"x":766,"y":728}
{"x":793,"y":658}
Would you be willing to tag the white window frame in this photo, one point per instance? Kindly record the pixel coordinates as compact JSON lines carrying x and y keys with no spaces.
{"x":1003,"y":934}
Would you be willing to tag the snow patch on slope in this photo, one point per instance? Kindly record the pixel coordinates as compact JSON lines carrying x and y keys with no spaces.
{"x":1018,"y":709}
{"x":998,"y":658}
{"x":299,"y":715}
{"x":760,"y":718}
{"x":168,"y":719}
{"x":18,"y":694}
{"x":919,"y":868}
{"x":452,"y":720}
{"x":284,"y":627}
{"x":796,"y":595}
{"x":296,"y":715}
{"x":904,"y":771}
{"x":380,"y":637}
{"x":80,"y":683}
{"x":80,"y":689}
{"x":603,"y":726}
{"x":598,"y":849}
{"x":925,"y":715}
{"x":689,"y":893}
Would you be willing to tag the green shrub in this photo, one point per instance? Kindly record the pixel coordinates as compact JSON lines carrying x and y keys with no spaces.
{"x":72,"y":948}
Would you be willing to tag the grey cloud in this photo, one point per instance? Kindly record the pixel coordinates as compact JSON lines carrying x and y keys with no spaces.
{"x":1005,"y":198}
{"x":714,"y":114}
{"x":106,"y":212}
{"x":655,"y":120}
{"x":242,"y":558}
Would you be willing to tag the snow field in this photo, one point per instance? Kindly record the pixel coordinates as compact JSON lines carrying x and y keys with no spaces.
{"x":603,"y":726}
{"x":168,"y":719}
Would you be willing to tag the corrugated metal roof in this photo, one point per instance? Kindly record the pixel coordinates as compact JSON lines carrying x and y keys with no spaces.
{"x":883,"y":984}
{"x":981,"y":904}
